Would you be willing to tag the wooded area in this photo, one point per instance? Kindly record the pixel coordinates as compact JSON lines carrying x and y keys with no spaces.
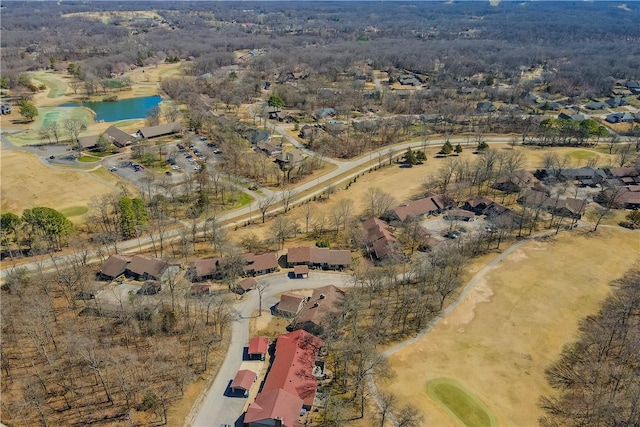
{"x":597,"y":376}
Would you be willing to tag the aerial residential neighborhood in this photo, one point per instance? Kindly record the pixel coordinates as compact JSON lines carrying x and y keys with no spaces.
{"x":298,"y":214}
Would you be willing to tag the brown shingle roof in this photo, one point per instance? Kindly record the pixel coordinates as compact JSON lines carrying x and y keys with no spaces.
{"x":429,"y":204}
{"x":290,"y":303}
{"x":118,"y":137}
{"x":159,"y":130}
{"x":379,"y":236}
{"x":206,"y":266}
{"x":247,"y":284}
{"x":141,"y":264}
{"x":262,"y":262}
{"x":115,"y":265}
{"x":324,"y":303}
{"x":313,"y":255}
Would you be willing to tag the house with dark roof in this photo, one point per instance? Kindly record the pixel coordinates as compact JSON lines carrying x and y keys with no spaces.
{"x":205,"y":269}
{"x":477,"y":204}
{"x":245,"y":285}
{"x":378,"y":237}
{"x":290,"y":304}
{"x":513,"y":182}
{"x":256,"y":265}
{"x":290,"y":159}
{"x":325,"y":258}
{"x":268,"y":148}
{"x":565,"y":207}
{"x":88,"y":142}
{"x":431,"y":204}
{"x":118,"y":137}
{"x":502,"y":215}
{"x":308,"y":131}
{"x":144,"y":267}
{"x":459,"y":215}
{"x":616,"y":102}
{"x":159,"y":130}
{"x":582,"y":174}
{"x":596,"y":105}
{"x":485,"y":107}
{"x":620,"y":118}
{"x":256,"y":136}
{"x":325,"y":304}
{"x":113,"y":267}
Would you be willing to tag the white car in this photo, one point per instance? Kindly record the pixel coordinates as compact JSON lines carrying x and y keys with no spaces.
{"x":113,"y":169}
{"x":175,"y":167}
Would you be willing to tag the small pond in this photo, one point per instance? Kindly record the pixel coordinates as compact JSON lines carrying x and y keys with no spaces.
{"x":113,"y":111}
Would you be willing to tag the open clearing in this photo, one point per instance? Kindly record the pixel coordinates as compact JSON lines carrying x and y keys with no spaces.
{"x":27,"y":183}
{"x":497,"y":343}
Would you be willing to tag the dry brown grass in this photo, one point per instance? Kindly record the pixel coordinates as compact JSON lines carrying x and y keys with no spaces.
{"x":27,"y":183}
{"x":514,"y":323}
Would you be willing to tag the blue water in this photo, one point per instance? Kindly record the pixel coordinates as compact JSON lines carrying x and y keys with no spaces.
{"x":133,"y":108}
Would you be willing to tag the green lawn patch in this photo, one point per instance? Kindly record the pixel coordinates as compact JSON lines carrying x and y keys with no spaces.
{"x":72,"y":211}
{"x":88,"y":159}
{"x":56,"y":85}
{"x":467,"y":409}
{"x":582,"y":154}
{"x":242,"y":199}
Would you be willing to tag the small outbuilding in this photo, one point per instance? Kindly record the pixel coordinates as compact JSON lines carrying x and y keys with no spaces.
{"x":301,"y":271}
{"x":258,"y":348}
{"x":245,"y":285}
{"x":242,"y":382}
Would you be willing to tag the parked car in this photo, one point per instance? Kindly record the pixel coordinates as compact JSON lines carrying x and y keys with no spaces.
{"x":113,"y":169}
{"x":452,"y":235}
{"x":203,"y":138}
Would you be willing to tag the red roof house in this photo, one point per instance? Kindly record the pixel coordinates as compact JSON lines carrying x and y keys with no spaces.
{"x":274,"y":405}
{"x":292,"y":368}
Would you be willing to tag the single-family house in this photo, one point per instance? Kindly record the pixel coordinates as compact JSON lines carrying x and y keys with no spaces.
{"x":431,"y":204}
{"x":324,"y":305}
{"x":513,"y":182}
{"x":616,"y":102}
{"x":378,"y":237}
{"x":620,"y":118}
{"x":581,"y":174}
{"x":596,"y":105}
{"x":634,"y":87}
{"x":459,"y":215}
{"x":256,"y":265}
{"x":144,"y":267}
{"x":114,"y":266}
{"x":289,"y":160}
{"x":242,"y":382}
{"x":290,"y":304}
{"x":200,"y":290}
{"x":258,"y":348}
{"x":268,"y":148}
{"x":205,"y":269}
{"x":256,"y":136}
{"x":477,"y":204}
{"x":245,"y":285}
{"x":308,"y":132}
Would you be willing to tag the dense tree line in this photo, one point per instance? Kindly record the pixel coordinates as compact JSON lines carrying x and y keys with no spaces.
{"x":596,"y":378}
{"x":450,"y":43}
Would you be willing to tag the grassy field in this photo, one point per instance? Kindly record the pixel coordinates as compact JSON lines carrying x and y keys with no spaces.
{"x":72,"y":211}
{"x":27,"y":183}
{"x":56,"y":86}
{"x":88,"y":159}
{"x":498,"y":342}
{"x":470,"y":411}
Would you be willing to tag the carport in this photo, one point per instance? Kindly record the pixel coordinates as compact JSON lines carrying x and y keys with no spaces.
{"x":301,"y":271}
{"x":242,"y":382}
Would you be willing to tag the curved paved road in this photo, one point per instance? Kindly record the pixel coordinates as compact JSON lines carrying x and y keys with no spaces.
{"x":213,"y":408}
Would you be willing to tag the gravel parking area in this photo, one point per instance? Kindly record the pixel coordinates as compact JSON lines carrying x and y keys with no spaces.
{"x":439,"y":226}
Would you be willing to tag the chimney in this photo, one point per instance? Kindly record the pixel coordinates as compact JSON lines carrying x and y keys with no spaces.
{"x":322,"y":296}
{"x":278,"y":421}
